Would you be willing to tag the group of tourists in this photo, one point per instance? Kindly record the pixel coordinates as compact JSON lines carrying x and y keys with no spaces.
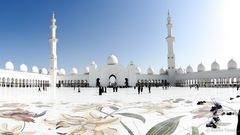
{"x":74,"y":87}
{"x":140,"y":88}
{"x":101,"y":90}
{"x":43,"y":88}
{"x":196,"y":86}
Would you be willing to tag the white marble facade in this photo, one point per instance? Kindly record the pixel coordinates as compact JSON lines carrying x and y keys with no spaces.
{"x":112,"y":71}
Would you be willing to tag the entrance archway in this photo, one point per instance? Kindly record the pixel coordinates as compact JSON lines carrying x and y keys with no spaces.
{"x":112,"y":80}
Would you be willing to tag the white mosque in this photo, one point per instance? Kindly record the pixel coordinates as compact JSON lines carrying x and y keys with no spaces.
{"x":114,"y":73}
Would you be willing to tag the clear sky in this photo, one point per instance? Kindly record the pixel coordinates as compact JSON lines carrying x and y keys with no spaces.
{"x":205,"y":30}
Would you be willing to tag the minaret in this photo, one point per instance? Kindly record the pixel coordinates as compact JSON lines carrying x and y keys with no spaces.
{"x":53,"y":56}
{"x":170,"y":39}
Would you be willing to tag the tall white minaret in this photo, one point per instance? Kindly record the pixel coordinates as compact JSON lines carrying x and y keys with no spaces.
{"x":53,"y":56}
{"x":170,"y":39}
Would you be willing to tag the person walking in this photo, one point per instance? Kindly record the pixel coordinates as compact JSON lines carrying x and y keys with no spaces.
{"x":113,"y":88}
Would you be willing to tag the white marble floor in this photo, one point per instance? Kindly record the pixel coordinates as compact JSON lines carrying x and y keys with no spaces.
{"x":65,"y":110}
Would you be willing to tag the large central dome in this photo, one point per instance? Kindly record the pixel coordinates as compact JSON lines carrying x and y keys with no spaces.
{"x":112,"y":60}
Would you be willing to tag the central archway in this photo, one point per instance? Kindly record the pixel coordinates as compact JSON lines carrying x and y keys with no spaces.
{"x":112,"y":80}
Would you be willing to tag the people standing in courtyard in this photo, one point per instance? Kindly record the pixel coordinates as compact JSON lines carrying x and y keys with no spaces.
{"x":197,"y":86}
{"x":39,"y":89}
{"x":79,"y":89}
{"x":238,"y":87}
{"x":116,"y":88}
{"x":105,"y":89}
{"x":99,"y":90}
{"x":149,"y":88}
{"x":139,"y":89}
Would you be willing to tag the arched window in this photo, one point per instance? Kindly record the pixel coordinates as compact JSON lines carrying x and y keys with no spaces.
{"x":8,"y":82}
{"x":3,"y":82}
{"x":26,"y":82}
{"x":16,"y":82}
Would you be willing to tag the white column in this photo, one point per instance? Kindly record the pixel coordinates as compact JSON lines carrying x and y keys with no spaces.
{"x":53,"y":56}
{"x":170,"y":39}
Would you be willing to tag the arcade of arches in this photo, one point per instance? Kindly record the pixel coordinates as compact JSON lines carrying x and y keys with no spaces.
{"x":209,"y":82}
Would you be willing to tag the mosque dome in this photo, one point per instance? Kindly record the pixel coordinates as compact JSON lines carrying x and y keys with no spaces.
{"x":9,"y":65}
{"x":62,"y":71}
{"x":86,"y":70}
{"x":112,"y":60}
{"x":44,"y":71}
{"x":180,"y":71}
{"x":74,"y":71}
{"x":94,"y":64}
{"x":162,"y":71}
{"x":138,"y":70}
{"x":215,"y":66}
{"x":23,"y":68}
{"x":150,"y":71}
{"x":35,"y":69}
{"x":189,"y":69}
{"x":232,"y":64}
{"x":201,"y":68}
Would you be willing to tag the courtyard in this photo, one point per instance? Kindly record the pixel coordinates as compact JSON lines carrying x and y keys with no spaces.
{"x":67,"y":111}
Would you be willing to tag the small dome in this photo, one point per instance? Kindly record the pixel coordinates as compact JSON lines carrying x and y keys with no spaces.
{"x":215,"y":66}
{"x":44,"y":71}
{"x":180,"y":71}
{"x":35,"y":69}
{"x":162,"y":71}
{"x":9,"y":65}
{"x":131,"y":63}
{"x":138,"y":70}
{"x":112,"y":60}
{"x":74,"y":71}
{"x":150,"y":71}
{"x":201,"y":68}
{"x":94,"y":64}
{"x":23,"y":68}
{"x":232,"y":64}
{"x":62,"y":71}
{"x":189,"y":69}
{"x":86,"y":70}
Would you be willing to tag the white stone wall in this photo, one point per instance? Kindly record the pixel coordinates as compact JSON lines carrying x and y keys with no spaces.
{"x":28,"y":77}
{"x":231,"y":76}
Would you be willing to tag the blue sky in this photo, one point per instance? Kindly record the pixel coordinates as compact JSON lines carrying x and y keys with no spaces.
{"x":131,"y":29}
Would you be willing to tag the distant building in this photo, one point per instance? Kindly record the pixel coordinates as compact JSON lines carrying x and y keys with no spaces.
{"x":115,"y":74}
